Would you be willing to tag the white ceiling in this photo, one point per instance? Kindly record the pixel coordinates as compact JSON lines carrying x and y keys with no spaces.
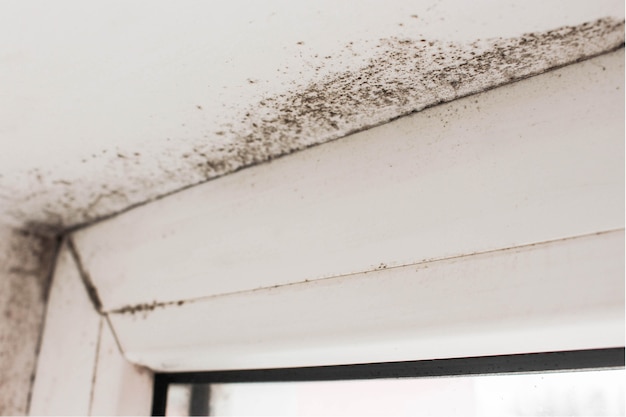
{"x":106,"y":105}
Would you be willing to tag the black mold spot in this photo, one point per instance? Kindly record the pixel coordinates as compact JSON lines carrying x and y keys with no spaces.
{"x":146,"y":307}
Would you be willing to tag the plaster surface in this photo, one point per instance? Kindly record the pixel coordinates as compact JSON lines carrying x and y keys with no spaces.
{"x":110,"y":105}
{"x":25,"y":264}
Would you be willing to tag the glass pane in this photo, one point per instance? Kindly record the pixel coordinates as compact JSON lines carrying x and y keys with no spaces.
{"x":584,"y":393}
{"x":187,"y":400}
{"x":178,"y":400}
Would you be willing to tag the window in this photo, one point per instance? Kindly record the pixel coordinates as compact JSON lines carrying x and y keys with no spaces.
{"x":589,"y":382}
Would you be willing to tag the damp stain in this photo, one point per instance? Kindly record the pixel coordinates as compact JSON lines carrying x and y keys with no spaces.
{"x":404,"y":75}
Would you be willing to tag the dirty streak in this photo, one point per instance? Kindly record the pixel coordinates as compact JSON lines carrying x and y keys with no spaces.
{"x":85,"y":277}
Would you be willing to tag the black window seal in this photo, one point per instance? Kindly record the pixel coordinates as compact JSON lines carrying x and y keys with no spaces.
{"x":481,"y":365}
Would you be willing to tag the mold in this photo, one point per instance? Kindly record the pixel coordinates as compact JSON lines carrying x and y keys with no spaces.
{"x":26,"y":264}
{"x":406,"y":75}
{"x":403,"y":75}
{"x":29,"y":255}
{"x":146,"y":307}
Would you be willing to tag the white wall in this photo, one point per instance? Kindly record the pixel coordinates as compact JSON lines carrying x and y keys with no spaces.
{"x":25,"y":264}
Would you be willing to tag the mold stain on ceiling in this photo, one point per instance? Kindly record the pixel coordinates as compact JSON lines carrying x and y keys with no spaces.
{"x":380,"y":81}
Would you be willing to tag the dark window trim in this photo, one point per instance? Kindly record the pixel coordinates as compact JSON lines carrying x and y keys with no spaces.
{"x":502,"y":364}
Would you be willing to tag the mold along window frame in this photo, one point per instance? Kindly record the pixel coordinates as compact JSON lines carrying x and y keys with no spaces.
{"x":577,"y":360}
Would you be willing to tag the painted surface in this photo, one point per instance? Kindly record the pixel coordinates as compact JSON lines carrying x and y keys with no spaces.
{"x":25,"y":266}
{"x":107,"y":106}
